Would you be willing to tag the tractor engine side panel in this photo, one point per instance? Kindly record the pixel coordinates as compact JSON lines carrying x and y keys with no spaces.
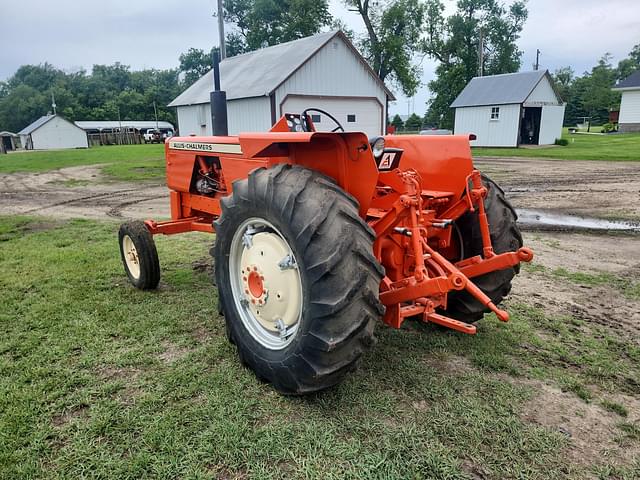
{"x":442,"y":161}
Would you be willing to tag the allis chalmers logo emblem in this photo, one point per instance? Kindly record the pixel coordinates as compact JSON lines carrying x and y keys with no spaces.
{"x":389,"y":160}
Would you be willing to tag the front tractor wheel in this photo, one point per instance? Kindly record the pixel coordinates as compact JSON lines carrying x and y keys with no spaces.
{"x":297,"y":280}
{"x":139,"y":255}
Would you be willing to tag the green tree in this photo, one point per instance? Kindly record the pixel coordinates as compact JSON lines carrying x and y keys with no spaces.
{"x":109,"y":89}
{"x":413,"y":123}
{"x":564,"y":80}
{"x":194,"y":64}
{"x":393,"y":39}
{"x":454,"y":43}
{"x":597,"y":97}
{"x":630,"y":64}
{"x":21,"y":106}
{"x":262,"y":23}
{"x":397,"y":122}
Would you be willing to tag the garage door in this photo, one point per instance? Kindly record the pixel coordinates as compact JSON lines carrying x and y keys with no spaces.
{"x":355,"y":114}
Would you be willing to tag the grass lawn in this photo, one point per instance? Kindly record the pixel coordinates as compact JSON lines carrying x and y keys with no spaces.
{"x":123,"y":162}
{"x":617,"y":147}
{"x":99,"y":380}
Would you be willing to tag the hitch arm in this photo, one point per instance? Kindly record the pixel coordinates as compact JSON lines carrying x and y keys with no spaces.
{"x":469,"y":286}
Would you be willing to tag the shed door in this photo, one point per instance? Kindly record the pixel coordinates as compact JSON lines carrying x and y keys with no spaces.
{"x":355,"y":114}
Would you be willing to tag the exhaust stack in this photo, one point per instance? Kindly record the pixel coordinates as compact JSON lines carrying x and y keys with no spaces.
{"x":218,"y":99}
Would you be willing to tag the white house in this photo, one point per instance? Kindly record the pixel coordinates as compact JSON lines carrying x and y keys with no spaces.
{"x":52,"y":131}
{"x":510,"y":110}
{"x":629,"y":119}
{"x":324,"y":71}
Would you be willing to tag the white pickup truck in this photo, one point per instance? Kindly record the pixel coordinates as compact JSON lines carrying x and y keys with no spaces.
{"x":152,"y":136}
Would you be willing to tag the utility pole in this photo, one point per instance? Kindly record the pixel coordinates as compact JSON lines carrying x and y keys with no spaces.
{"x":155,"y":111}
{"x":223,"y":50}
{"x":537,"y":59}
{"x":53,"y":103}
{"x":480,"y":54}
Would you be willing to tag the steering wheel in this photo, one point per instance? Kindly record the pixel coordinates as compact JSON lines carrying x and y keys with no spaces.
{"x":305,"y":124}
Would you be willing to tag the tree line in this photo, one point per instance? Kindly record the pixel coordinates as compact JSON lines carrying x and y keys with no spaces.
{"x":589,"y":95}
{"x":397,"y":36}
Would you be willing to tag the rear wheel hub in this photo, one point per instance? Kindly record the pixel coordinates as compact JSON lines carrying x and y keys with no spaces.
{"x":266,"y":283}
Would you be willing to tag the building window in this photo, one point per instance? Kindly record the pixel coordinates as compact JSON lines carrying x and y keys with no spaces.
{"x":351,"y":118}
{"x":316,"y":118}
{"x":495,"y":113}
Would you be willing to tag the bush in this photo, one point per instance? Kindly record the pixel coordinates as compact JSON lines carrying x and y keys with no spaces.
{"x":562,"y":142}
{"x":607,"y":127}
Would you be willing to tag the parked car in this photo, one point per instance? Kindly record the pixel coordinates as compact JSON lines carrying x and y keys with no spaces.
{"x":436,"y":131}
{"x":153,"y":136}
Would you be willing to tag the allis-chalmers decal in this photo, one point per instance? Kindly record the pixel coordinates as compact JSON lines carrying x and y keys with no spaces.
{"x":206,"y":147}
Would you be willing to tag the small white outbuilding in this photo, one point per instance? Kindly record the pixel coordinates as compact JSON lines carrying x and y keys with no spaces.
{"x":52,"y":132}
{"x":629,"y":119}
{"x":324,"y":71}
{"x":510,"y":110}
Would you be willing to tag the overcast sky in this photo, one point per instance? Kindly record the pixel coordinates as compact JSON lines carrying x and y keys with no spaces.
{"x":74,"y":34}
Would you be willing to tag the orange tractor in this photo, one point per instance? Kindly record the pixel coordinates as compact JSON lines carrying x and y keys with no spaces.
{"x":319,"y":235}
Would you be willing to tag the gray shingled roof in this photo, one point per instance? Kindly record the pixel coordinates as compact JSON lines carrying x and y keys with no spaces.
{"x":108,"y":124}
{"x":259,"y":73}
{"x":499,"y":89}
{"x":35,"y":125}
{"x":631,"y":81}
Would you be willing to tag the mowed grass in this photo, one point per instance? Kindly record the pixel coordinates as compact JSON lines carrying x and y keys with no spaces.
{"x":614,"y":147}
{"x":99,"y":380}
{"x":121,"y":162}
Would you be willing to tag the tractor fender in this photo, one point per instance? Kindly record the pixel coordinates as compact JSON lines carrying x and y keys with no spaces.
{"x":346,"y":157}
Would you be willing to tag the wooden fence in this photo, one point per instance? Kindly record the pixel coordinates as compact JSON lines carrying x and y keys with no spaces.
{"x":114,"y":138}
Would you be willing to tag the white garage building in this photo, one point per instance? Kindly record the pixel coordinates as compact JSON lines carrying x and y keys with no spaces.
{"x":510,"y":110}
{"x":323,"y":71}
{"x":629,"y":119}
{"x":52,"y":131}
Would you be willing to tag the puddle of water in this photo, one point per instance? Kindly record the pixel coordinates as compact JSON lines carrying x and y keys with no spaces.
{"x":544,"y":219}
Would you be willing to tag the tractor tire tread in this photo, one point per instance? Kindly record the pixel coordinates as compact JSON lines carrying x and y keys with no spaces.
{"x":333,"y":245}
{"x":147,"y":254}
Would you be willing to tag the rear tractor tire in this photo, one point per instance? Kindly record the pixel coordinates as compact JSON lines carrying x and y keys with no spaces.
{"x":139,"y":255}
{"x":505,"y":237}
{"x":296,"y":277}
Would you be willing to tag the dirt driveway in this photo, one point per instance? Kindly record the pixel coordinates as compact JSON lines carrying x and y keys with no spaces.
{"x":80,"y":192}
{"x":588,"y":188}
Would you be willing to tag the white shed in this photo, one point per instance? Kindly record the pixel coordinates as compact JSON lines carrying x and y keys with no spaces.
{"x":323,"y":71}
{"x":52,"y":131}
{"x":510,"y":110}
{"x":629,"y":119}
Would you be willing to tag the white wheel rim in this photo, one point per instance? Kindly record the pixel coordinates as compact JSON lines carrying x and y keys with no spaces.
{"x":131,"y":256}
{"x":265,"y":283}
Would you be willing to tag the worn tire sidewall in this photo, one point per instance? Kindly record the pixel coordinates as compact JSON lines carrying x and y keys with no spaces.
{"x":147,"y":255}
